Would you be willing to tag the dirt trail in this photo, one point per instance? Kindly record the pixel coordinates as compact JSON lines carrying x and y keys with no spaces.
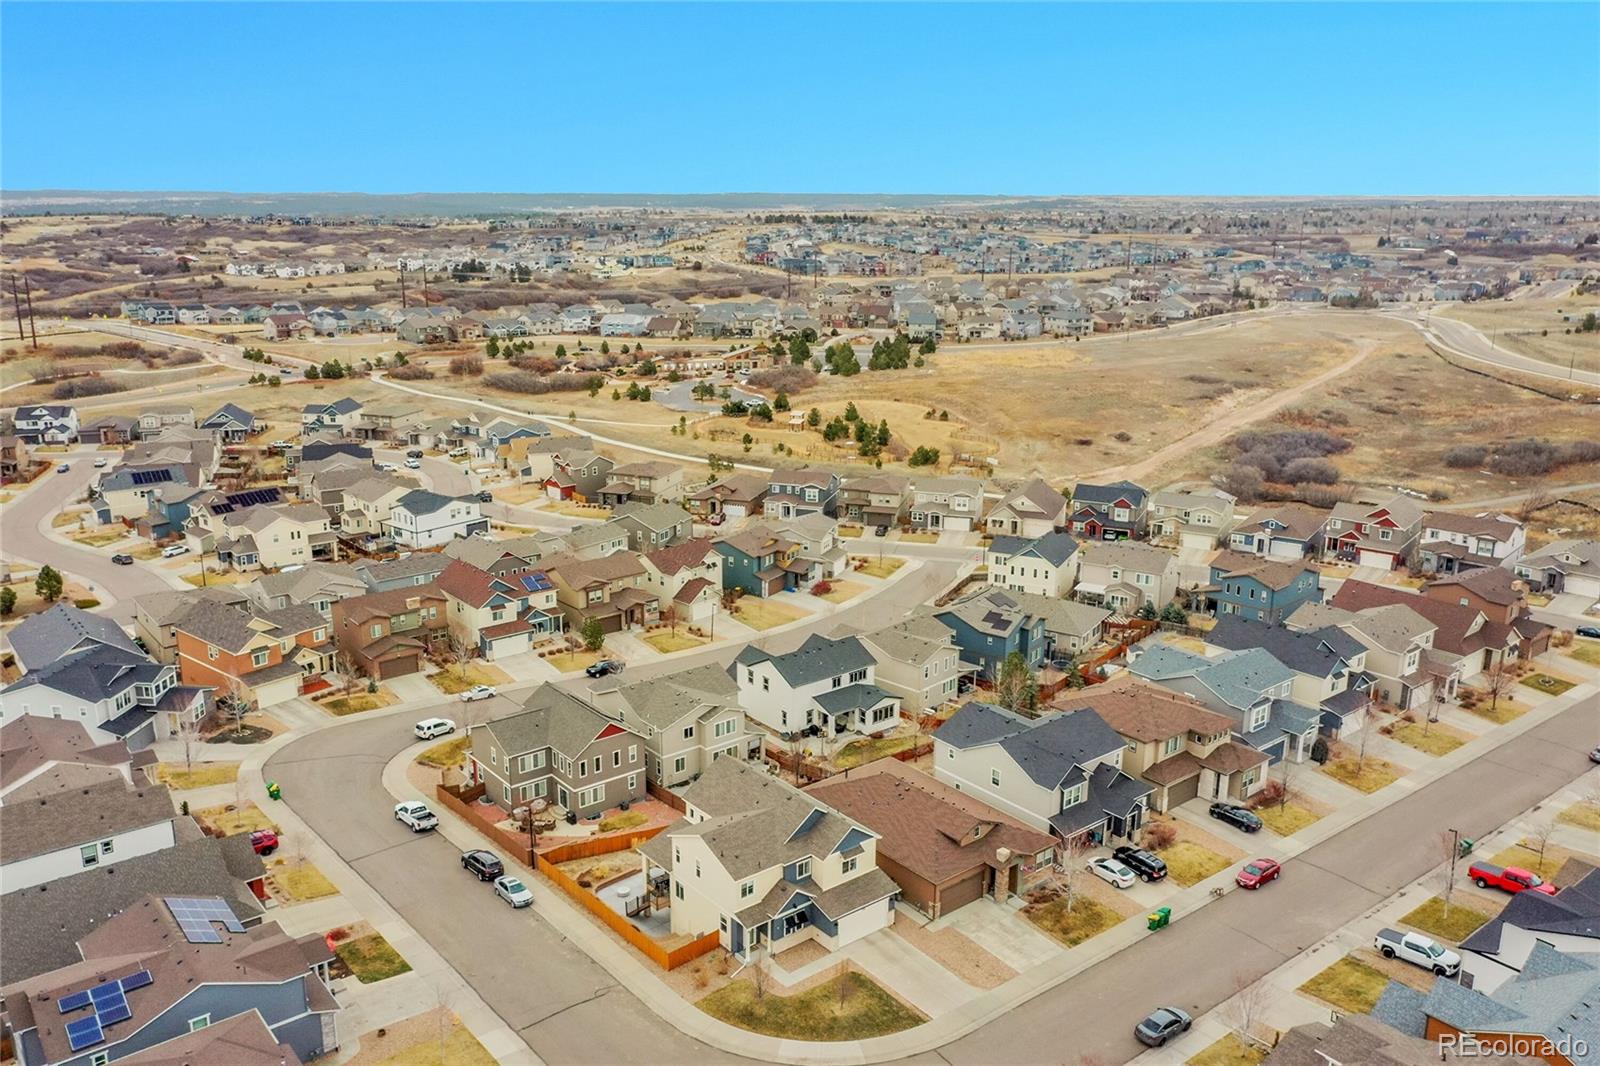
{"x":1219,"y":428}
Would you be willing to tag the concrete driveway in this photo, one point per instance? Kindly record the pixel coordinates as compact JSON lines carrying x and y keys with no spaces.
{"x":1002,"y":931}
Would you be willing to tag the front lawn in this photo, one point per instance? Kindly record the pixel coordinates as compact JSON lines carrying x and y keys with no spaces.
{"x":457,"y":679}
{"x":1229,"y":1051}
{"x":1586,"y":651}
{"x":765,"y":613}
{"x":860,"y":752}
{"x":821,"y":1013}
{"x":920,"y":538}
{"x":444,"y":755}
{"x":460,"y":1048}
{"x":1288,"y":819}
{"x":1086,"y":919}
{"x":100,"y":540}
{"x":1455,"y":926}
{"x":840,"y":591}
{"x":203,"y":775}
{"x":1506,"y":710}
{"x":568,"y":661}
{"x":1582,"y":815}
{"x":1349,"y":984}
{"x":1434,"y":739}
{"x":1528,"y":858}
{"x":1374,"y":774}
{"x":357,"y":702}
{"x":372,"y":958}
{"x":1188,"y":863}
{"x":666,"y":640}
{"x":298,"y":882}
{"x":884,"y":567}
{"x":1550,"y":686}
{"x":226,"y":819}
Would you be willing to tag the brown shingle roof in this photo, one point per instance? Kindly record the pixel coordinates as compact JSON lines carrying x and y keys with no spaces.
{"x":1144,"y":712}
{"x":469,"y":584}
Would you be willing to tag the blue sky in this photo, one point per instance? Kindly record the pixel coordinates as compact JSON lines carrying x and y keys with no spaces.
{"x":1257,"y":99}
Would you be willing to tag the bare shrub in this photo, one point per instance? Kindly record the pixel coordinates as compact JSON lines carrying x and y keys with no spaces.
{"x":1466,"y":456}
{"x":1158,"y":835}
{"x":466,"y":365}
{"x":411,"y":372}
{"x":790,"y":379}
{"x":76,"y":387}
{"x":532,"y":384}
{"x":1312,"y":471}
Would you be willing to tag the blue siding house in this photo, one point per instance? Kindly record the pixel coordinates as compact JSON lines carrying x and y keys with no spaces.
{"x":990,"y":626}
{"x":1261,"y":590}
{"x":760,"y":562}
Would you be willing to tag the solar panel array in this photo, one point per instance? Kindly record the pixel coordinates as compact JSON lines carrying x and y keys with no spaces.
{"x":150,"y":477}
{"x":110,"y":1002}
{"x":255,"y":497}
{"x":196,"y":918}
{"x":85,"y":1032}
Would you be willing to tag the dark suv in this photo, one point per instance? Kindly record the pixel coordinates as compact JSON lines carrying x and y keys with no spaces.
{"x":1146,"y":865}
{"x":484,"y":865}
{"x":1236,"y":816}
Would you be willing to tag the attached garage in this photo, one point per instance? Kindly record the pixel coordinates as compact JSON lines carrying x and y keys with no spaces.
{"x":1368,"y":557}
{"x":969,"y":889}
{"x":1183,"y":791}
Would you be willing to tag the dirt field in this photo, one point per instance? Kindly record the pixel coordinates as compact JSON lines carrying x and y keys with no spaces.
{"x":1537,"y":328}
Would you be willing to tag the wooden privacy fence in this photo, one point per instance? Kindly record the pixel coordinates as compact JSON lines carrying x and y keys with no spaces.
{"x":463,"y":800}
{"x":667,"y":796}
{"x":606,"y":845}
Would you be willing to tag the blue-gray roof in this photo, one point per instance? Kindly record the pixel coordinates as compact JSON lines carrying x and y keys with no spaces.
{"x":1400,"y":1008}
{"x":815,"y":660}
{"x":852,"y":698}
{"x":1238,"y":678}
{"x":422,"y":501}
{"x":46,"y":637}
{"x":1053,"y":548}
{"x":1104,"y":495}
{"x":1316,"y":652}
{"x":1047,"y":749}
{"x":93,"y":674}
{"x":1111,"y":792}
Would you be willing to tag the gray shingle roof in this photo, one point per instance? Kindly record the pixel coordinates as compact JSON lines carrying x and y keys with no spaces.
{"x":1047,"y":749}
{"x":817,"y":659}
{"x":662,"y":701}
{"x":1053,"y":548}
{"x":42,"y":639}
{"x":1317,"y":652}
{"x":68,"y":819}
{"x":552,"y":717}
{"x":95,"y":673}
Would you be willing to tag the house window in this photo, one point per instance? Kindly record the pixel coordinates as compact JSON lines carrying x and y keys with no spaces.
{"x":747,"y":889}
{"x":677,"y":765}
{"x":100,"y":1058}
{"x":259,"y":658}
{"x":677,"y":889}
{"x":597,"y":764}
{"x":1074,"y":794}
{"x":107,"y":847}
{"x":633,"y":753}
{"x":583,"y":768}
{"x":994,"y":777}
{"x":802,"y":869}
{"x":616,"y":757}
{"x":377,"y":629}
{"x":89,"y":854}
{"x":633,"y":782}
{"x":1384,"y":534}
{"x":848,"y":866}
{"x":541,"y":788}
{"x":211,"y":653}
{"x":197,"y":1024}
{"x":857,"y":676}
{"x":688,"y":732}
{"x":1258,"y":717}
{"x":1172,"y":746}
{"x":723,"y":728}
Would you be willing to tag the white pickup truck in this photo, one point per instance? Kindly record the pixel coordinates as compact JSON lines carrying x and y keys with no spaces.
{"x":416,"y":816}
{"x":1417,"y":950}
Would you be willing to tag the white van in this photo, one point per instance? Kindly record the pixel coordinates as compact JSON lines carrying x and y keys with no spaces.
{"x":172,"y":551}
{"x":429,"y":728}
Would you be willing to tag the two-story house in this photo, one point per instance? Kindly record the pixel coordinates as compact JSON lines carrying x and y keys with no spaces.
{"x":1124,"y":577}
{"x":1250,"y":687}
{"x":827,"y":683}
{"x":654,"y":525}
{"x":733,"y":497}
{"x":615,"y":589}
{"x":791,"y":493}
{"x":1375,"y":529}
{"x":1503,"y":599}
{"x":117,"y":694}
{"x":1286,"y":531}
{"x":342,"y":415}
{"x":687,"y":578}
{"x":498,"y":616}
{"x":578,"y":474}
{"x":1177,"y":745}
{"x":46,"y":423}
{"x":1046,"y":565}
{"x":250,"y":655}
{"x":647,"y":481}
{"x":1262,"y":590}
{"x":1466,"y":641}
{"x":388,"y":634}
{"x":269,"y":536}
{"x":560,"y":749}
{"x":391,"y":423}
{"x":946,"y":503}
{"x":1195,"y":519}
{"x":60,"y":834}
{"x":424,"y":519}
{"x":761,"y":562}
{"x":817,"y":545}
{"x":918,"y":660}
{"x":686,"y":719}
{"x":768,"y":866}
{"x":1117,"y":511}
{"x":1061,"y":774}
{"x":231,"y":423}
{"x":153,"y":420}
{"x":989,"y":626}
{"x":1329,"y":667}
{"x":1501,"y":949}
{"x":419,"y":568}
{"x":41,"y":639}
{"x":1456,"y":543}
{"x":1563,"y":566}
{"x":1398,"y":641}
{"x":367,"y":502}
{"x":1029,"y":511}
{"x":46,"y":756}
{"x":320,"y":585}
{"x":876,"y":500}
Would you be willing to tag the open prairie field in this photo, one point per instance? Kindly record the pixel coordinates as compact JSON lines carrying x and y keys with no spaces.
{"x":1537,"y":328}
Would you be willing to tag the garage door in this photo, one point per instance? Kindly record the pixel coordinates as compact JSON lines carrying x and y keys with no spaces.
{"x":398,"y":667}
{"x":1183,"y":791}
{"x":1371,"y":558}
{"x":961,"y":893}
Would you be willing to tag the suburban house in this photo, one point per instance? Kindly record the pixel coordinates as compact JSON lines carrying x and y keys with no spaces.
{"x":654,"y":525}
{"x":1287,"y":531}
{"x":1029,"y":511}
{"x":496,"y":616}
{"x":1456,"y":543}
{"x":1197,"y":519}
{"x":1117,"y":511}
{"x":1251,"y":687}
{"x":877,"y":500}
{"x":1464,"y":634}
{"x":342,"y":415}
{"x":230,"y":422}
{"x":1398,"y":642}
{"x":117,"y":694}
{"x":918,"y":660}
{"x":560,"y":749}
{"x":1563,"y":566}
{"x":1329,"y":667}
{"x":319,"y":584}
{"x":647,"y":481}
{"x":500,"y":557}
{"x":1060,"y":774}
{"x":578,"y":474}
{"x":761,"y":562}
{"x":391,"y":423}
{"x":615,"y":589}
{"x":1503,"y":599}
{"x":791,"y":493}
{"x":1374,"y":530}
{"x":1181,"y":748}
{"x":40,"y":757}
{"x":1069,"y":627}
{"x":943,"y":848}
{"x":1046,"y":565}
{"x":162,"y":979}
{"x":46,"y":423}
{"x":60,"y":834}
{"x":593,"y":540}
{"x":267,"y":536}
{"x":687,"y":578}
{"x":686,"y":719}
{"x":424,"y":519}
{"x":940,"y":503}
{"x":733,"y":497}
{"x":40,"y":640}
{"x":1262,"y":590}
{"x":827,"y":683}
{"x":419,"y":568}
{"x":156,"y":616}
{"x":768,"y":867}
{"x":387,"y":634}
{"x":1125,"y":577}
{"x":1500,"y":949}
{"x":14,"y":461}
{"x":818,"y":552}
{"x":991,"y":625}
{"x":153,"y":421}
{"x":286,"y":327}
{"x":251,"y":655}
{"x":128,"y":493}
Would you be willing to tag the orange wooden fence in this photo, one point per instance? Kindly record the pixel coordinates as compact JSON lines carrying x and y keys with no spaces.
{"x":588,"y":849}
{"x":463,"y":802}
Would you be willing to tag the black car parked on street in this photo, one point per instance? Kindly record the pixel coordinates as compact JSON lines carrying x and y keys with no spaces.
{"x":484,"y":865}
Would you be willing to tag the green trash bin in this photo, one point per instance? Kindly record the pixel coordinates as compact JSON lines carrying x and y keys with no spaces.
{"x":274,"y":791}
{"x":1158,"y":918}
{"x":1466,"y":846}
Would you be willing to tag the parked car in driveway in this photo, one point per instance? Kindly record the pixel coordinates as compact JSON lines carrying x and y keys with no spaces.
{"x":603,"y":667}
{"x":172,"y":551}
{"x":1417,"y":950}
{"x":1112,"y":872}
{"x":429,"y":728}
{"x":1258,"y":872}
{"x":485,"y":496}
{"x":1146,"y":865}
{"x":484,"y":865}
{"x":477,"y":692}
{"x":1162,"y":1025}
{"x":264,"y":841}
{"x":100,"y":463}
{"x":416,"y":816}
{"x":122,"y":560}
{"x":1511,"y":879}
{"x":512,"y":891}
{"x":1241,"y":818}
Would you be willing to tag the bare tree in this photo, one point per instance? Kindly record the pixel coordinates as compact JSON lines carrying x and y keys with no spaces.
{"x":669,"y":615}
{"x":1289,"y":772}
{"x":1074,"y":857}
{"x":232,"y":702}
{"x":844,"y":985}
{"x":1368,"y":719}
{"x":1249,"y":1002}
{"x":347,"y":666}
{"x":460,"y":648}
{"x":188,"y":730}
{"x":1014,"y":686}
{"x":1496,"y":680}
{"x":759,"y":978}
{"x":1539,"y":839}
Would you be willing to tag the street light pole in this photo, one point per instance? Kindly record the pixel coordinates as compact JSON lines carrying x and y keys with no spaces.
{"x":1455,"y":853}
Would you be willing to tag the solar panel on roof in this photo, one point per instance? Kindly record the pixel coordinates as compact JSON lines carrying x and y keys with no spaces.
{"x":137,"y":979}
{"x":151,"y":477}
{"x":107,"y":994}
{"x":74,"y":1001}
{"x":120,"y":1012}
{"x":85,"y":1032}
{"x":195,"y":917}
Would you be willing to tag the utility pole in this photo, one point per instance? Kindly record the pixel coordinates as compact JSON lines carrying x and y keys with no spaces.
{"x":1455,"y":853}
{"x":17,"y":301}
{"x":27,"y":296}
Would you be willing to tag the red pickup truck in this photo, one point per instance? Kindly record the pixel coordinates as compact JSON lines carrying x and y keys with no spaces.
{"x":1509,"y":879}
